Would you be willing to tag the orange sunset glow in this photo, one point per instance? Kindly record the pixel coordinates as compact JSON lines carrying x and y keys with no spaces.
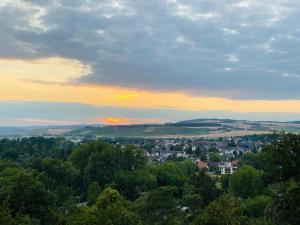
{"x":19,"y":89}
{"x":125,"y":121}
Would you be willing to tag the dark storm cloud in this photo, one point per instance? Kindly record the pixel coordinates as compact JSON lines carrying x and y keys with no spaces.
{"x":236,"y":49}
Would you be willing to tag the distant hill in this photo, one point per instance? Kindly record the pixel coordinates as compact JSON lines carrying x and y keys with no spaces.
{"x":4,"y":131}
{"x":186,"y":128}
{"x":37,"y":130}
{"x":190,"y":128}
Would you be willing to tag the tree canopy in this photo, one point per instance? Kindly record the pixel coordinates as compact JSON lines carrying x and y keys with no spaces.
{"x":52,"y":181}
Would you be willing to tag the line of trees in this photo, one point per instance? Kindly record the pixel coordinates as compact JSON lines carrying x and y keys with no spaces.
{"x":52,"y":181}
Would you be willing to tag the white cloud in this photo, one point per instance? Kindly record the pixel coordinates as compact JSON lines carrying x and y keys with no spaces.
{"x":228,"y":69}
{"x":180,"y":39}
{"x":232,"y":58}
{"x":230,"y":31}
{"x":189,"y":13}
{"x":291,"y":75}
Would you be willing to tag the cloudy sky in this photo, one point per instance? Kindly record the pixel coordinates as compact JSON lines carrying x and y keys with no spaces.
{"x":140,"y":61}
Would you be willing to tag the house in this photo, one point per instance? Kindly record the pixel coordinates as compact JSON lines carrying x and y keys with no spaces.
{"x":234,"y":165}
{"x":202,"y":165}
{"x":222,"y":167}
{"x":226,"y":168}
{"x":214,"y":167}
{"x":180,"y":154}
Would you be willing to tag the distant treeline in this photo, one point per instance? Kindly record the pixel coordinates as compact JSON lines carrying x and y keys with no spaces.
{"x":54,"y":182}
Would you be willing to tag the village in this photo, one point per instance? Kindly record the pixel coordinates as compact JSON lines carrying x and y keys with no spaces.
{"x":212,"y":155}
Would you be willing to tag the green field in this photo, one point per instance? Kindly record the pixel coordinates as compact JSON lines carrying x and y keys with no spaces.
{"x":138,"y":131}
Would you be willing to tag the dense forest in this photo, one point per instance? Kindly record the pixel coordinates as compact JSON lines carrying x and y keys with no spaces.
{"x":49,"y":181}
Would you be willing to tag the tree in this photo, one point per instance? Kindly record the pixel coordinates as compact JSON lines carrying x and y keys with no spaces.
{"x":255,"y":207}
{"x":102,"y":166}
{"x":282,"y":158}
{"x":99,"y":161}
{"x":60,"y":173}
{"x":132,"y":183}
{"x":81,"y":155}
{"x":110,"y":209}
{"x":252,"y":159}
{"x":191,"y":201}
{"x":159,"y":205}
{"x":213,"y":149}
{"x":24,"y":195}
{"x":247,"y":182}
{"x":201,"y":153}
{"x":131,"y":157}
{"x":225,"y":181}
{"x":205,"y":187}
{"x":94,"y":191}
{"x":5,"y":216}
{"x":223,"y":211}
{"x":215,"y":157}
{"x":166,"y":174}
{"x":285,"y":207}
{"x":259,"y":221}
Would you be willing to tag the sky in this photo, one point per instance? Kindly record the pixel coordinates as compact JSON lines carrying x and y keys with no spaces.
{"x":139,"y":61}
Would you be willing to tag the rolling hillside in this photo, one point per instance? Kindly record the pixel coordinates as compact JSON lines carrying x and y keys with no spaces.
{"x":190,"y":128}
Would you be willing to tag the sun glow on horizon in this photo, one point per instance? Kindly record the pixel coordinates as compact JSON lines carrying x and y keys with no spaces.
{"x":22,"y":81}
{"x":126,"y":121}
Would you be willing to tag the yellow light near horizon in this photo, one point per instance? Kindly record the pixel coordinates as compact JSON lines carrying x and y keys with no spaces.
{"x":125,"y":120}
{"x":23,"y":87}
{"x":44,"y":70}
{"x":126,"y":96}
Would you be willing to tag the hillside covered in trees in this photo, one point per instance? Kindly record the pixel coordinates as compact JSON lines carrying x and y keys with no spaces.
{"x":53,"y":181}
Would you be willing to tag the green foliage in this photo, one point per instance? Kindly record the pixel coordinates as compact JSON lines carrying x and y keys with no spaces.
{"x":225,"y":181}
{"x":213,"y":149}
{"x":131,"y":158}
{"x":215,"y":157}
{"x":159,"y":206}
{"x":247,"y":182}
{"x":110,"y":209}
{"x":173,"y":173}
{"x":133,"y":183}
{"x":285,"y":207}
{"x":205,"y":187}
{"x":99,"y":161}
{"x":52,"y":181}
{"x":28,"y":149}
{"x":252,"y":159}
{"x":255,"y":207}
{"x":5,"y":216}
{"x":93,"y":192}
{"x":59,"y":172}
{"x":282,"y":158}
{"x":260,"y":221}
{"x":202,"y":155}
{"x":81,"y":155}
{"x":108,"y":197}
{"x":222,"y":211}
{"x":101,"y":167}
{"x":24,"y":195}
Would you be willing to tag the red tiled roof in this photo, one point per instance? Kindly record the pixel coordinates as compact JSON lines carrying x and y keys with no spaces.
{"x":202,"y":165}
